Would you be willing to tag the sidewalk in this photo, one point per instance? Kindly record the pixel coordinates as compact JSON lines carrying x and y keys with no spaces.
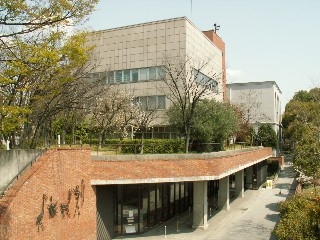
{"x":251,"y":217}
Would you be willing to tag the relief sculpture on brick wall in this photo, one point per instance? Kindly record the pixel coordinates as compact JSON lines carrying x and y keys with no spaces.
{"x":76,"y":194}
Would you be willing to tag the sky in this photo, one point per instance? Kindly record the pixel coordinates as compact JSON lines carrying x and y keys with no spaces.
{"x":266,"y":40}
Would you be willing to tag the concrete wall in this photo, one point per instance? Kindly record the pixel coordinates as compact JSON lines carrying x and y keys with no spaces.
{"x":267,"y":94}
{"x":12,"y":162}
{"x":152,"y":44}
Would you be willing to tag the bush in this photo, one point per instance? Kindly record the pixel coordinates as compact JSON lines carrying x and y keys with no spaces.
{"x":128,"y":146}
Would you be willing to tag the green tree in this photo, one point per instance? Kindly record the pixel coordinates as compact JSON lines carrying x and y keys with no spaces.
{"x":302,"y":110}
{"x":213,"y":122}
{"x":20,"y":17}
{"x":185,"y":86}
{"x":299,"y":217}
{"x":39,"y":85}
{"x":266,"y":136}
{"x":33,"y":41}
{"x":302,"y":124}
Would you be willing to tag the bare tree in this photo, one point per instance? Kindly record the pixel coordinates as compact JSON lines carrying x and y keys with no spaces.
{"x":115,"y":112}
{"x":185,"y":84}
{"x":250,"y":106}
{"x":146,"y":119}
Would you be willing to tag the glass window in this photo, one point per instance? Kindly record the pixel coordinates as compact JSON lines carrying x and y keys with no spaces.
{"x":110,"y":77}
{"x":135,"y":75}
{"x":152,"y":102}
{"x":152,"y":73}
{"x":126,"y":75}
{"x":119,"y":76}
{"x":152,"y":206}
{"x":144,"y":207}
{"x":158,"y":203}
{"x":130,"y":208}
{"x":144,"y":74}
{"x":143,"y":102}
{"x":103,"y":76}
{"x":161,"y":72}
{"x":161,"y":104}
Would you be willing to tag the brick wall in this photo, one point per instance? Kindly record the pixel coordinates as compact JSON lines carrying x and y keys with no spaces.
{"x":221,"y":45}
{"x":53,"y":175}
{"x":59,"y":171}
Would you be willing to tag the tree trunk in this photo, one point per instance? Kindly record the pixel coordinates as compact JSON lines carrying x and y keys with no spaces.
{"x":187,"y":138}
{"x":142,"y":142}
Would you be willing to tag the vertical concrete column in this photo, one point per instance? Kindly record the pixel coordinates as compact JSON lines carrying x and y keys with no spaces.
{"x":223,"y":195}
{"x":200,"y":205}
{"x":249,"y":177}
{"x":239,"y":190}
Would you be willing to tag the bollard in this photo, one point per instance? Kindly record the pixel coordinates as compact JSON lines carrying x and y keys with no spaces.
{"x":210,"y":212}
{"x":178,"y":226}
{"x":189,"y":210}
{"x":165,"y":231}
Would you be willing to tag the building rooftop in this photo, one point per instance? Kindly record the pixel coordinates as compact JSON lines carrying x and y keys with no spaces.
{"x":255,"y":83}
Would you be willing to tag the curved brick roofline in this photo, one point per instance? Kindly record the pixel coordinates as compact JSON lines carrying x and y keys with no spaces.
{"x":158,"y":168}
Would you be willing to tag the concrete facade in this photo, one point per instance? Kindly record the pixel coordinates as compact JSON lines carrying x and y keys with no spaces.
{"x":12,"y":162}
{"x":35,"y":207}
{"x":261,"y":100}
{"x":131,"y":57}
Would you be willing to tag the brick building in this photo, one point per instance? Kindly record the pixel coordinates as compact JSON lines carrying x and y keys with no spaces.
{"x":71,"y":194}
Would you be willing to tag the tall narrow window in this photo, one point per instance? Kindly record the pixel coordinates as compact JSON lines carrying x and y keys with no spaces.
{"x":119,"y":76}
{"x":144,"y":74}
{"x":152,"y":102}
{"x":161,"y":72}
{"x":135,"y":75}
{"x":126,"y":75}
{"x":152,"y":73}
{"x":161,"y":103}
{"x":110,"y":77}
{"x":143,"y":102}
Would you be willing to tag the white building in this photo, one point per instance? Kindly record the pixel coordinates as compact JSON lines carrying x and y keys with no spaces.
{"x":131,"y":57}
{"x":260,"y":100}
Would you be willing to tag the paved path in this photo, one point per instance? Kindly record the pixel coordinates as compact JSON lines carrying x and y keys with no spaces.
{"x":252,"y":217}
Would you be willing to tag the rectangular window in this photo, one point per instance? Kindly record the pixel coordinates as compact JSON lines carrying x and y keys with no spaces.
{"x":152,"y":102}
{"x":110,"y":77}
{"x":143,"y":102}
{"x":119,"y":76}
{"x":161,"y":72}
{"x":152,"y":73}
{"x":161,"y":103}
{"x":135,"y":75}
{"x":103,"y":77}
{"x":126,"y":75}
{"x":144,"y":74}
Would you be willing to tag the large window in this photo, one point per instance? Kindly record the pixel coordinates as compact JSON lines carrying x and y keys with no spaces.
{"x":204,"y":80}
{"x":131,"y":75}
{"x":151,"y":102}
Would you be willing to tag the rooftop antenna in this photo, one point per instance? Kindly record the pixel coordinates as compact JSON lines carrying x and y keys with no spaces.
{"x":216,"y":27}
{"x":191,"y":8}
